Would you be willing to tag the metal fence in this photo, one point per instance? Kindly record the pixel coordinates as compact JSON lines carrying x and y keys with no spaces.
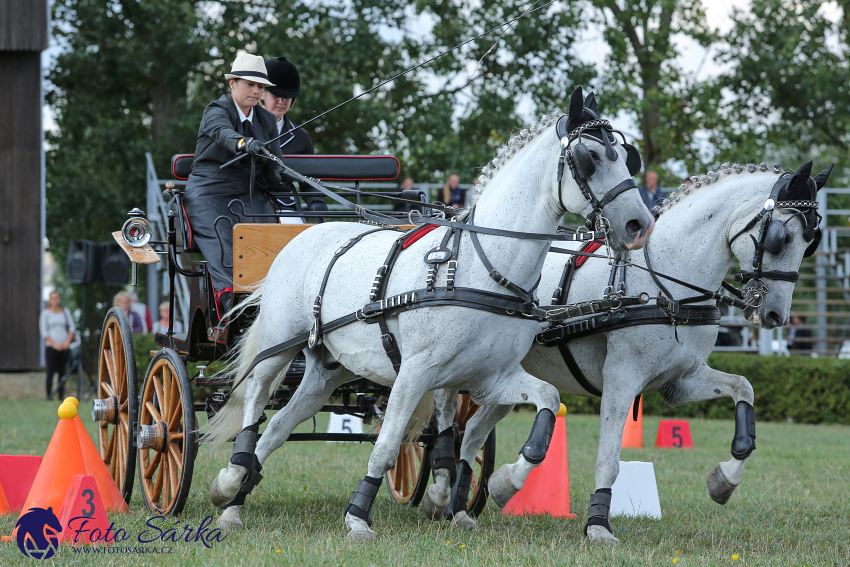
{"x":822,"y":295}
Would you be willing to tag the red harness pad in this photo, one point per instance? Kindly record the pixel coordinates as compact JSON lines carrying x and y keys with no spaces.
{"x":417,"y":234}
{"x":590,"y":248}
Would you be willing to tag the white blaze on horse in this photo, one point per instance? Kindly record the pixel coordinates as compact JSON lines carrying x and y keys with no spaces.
{"x":459,"y":343}
{"x":767,"y":221}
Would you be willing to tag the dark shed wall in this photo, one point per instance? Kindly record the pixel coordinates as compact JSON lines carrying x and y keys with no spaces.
{"x":23,"y":34}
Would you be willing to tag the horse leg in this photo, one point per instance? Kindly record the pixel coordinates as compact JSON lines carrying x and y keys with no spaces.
{"x":516,"y":387}
{"x":617,"y":399}
{"x":316,"y":387}
{"x":243,"y":464}
{"x":443,"y":465}
{"x":407,"y":392}
{"x":710,"y":384}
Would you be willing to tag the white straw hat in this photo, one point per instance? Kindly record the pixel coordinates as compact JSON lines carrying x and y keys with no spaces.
{"x":251,"y":68}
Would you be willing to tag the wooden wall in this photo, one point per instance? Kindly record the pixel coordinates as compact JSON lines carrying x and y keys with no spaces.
{"x":23,"y":35}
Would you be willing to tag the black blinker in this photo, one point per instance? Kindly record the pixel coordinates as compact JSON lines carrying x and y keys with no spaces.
{"x":585,"y":166}
{"x":774,"y":237}
{"x":814,"y":245}
{"x":633,"y":161}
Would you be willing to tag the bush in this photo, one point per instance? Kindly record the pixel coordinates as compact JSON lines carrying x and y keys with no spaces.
{"x":805,"y":390}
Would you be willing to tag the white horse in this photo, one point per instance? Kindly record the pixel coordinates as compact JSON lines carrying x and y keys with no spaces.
{"x":443,"y":346}
{"x":695,"y":242}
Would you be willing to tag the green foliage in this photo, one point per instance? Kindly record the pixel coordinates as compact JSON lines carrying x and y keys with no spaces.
{"x":642,"y":79}
{"x":789,"y":81}
{"x":802,"y":389}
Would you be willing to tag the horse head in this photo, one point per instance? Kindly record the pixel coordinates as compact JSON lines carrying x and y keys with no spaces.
{"x":600,"y":183}
{"x":776,"y":241}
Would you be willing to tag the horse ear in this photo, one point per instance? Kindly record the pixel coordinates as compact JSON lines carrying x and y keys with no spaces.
{"x":50,"y":509}
{"x":798,"y":187}
{"x":822,"y":177}
{"x":576,"y":107}
{"x":590,"y":102}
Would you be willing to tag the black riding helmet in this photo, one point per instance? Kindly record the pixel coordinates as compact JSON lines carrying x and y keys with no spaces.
{"x":283,"y":73}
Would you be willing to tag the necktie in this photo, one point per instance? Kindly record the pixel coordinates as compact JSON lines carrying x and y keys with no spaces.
{"x":247,"y":129}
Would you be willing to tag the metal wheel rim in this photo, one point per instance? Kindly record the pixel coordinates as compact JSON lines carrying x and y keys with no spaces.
{"x":113,"y":380}
{"x":160,"y":472}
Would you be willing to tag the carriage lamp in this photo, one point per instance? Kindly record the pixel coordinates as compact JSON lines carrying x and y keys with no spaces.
{"x":137,"y":230}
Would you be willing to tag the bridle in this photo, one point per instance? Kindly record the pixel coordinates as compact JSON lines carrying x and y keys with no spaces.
{"x":582,"y":165}
{"x":773,"y":237}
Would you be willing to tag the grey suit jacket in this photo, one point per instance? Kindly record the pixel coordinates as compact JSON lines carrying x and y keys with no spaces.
{"x":220,"y":131}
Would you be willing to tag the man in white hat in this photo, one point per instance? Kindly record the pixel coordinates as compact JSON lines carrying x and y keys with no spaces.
{"x":231,"y":125}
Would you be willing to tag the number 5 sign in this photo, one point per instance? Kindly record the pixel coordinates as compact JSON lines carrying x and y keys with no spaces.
{"x":83,"y":501}
{"x":345,"y":424}
{"x":674,"y":434}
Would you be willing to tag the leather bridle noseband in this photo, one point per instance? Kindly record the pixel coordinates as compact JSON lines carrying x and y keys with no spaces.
{"x":582,"y":166}
{"x":771,"y":239}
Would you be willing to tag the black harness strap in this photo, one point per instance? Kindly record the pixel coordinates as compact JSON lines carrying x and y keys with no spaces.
{"x":576,"y":371}
{"x":379,"y":290}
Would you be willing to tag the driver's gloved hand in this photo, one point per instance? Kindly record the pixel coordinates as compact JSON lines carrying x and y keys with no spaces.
{"x":276,"y":178}
{"x":252,"y":146}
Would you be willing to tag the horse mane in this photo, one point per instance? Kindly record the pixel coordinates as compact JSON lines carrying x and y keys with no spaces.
{"x":708,"y":178}
{"x":510,"y":148}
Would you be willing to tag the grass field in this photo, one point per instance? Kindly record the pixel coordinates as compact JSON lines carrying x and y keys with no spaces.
{"x":793,"y":507}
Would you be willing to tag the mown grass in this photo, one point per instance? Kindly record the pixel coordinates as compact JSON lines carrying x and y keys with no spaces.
{"x":793,"y":507}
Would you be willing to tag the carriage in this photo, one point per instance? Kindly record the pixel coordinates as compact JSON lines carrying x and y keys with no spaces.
{"x":149,"y":422}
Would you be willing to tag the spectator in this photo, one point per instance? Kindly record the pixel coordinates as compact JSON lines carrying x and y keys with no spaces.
{"x":406,"y":185}
{"x":143,"y":311}
{"x":651,"y":193}
{"x":161,"y":326}
{"x":453,"y":195}
{"x":797,"y":332}
{"x":57,"y":330}
{"x":123,"y":300}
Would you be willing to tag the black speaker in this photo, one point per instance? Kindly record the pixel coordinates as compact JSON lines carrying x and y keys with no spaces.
{"x":82,"y":262}
{"x":114,"y":264}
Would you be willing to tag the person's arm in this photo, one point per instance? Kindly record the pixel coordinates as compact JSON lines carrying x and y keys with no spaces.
{"x":71,"y":329}
{"x":42,"y":326}
{"x":216,"y":125}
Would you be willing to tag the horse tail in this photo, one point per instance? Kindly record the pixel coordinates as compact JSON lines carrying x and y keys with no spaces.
{"x":225,"y":424}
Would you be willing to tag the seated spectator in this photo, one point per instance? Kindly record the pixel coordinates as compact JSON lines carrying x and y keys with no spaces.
{"x":453,"y":195}
{"x":651,"y":193}
{"x":406,"y":185}
{"x":798,"y":333}
{"x":122,"y":299}
{"x":161,"y":326}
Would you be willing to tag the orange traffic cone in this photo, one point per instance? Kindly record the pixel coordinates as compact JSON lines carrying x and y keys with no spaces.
{"x":109,"y":491}
{"x":62,"y":460}
{"x":633,"y":431}
{"x":4,"y":504}
{"x":547,"y":488}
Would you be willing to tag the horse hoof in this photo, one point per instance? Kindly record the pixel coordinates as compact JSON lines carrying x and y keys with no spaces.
{"x":463,"y":521}
{"x":501,"y":488}
{"x":229,"y":524}
{"x":431,"y":507}
{"x":719,"y":487}
{"x":361,"y":535}
{"x":599,"y":534}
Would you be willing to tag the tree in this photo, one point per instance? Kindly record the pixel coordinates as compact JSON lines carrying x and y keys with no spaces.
{"x":642,"y":78}
{"x":789,"y":78}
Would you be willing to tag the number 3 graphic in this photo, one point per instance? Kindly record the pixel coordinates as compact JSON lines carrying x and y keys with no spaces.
{"x":88,"y":492}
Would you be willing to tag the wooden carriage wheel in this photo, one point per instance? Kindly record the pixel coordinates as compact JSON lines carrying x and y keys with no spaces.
{"x":167,"y":440}
{"x":408,"y":479}
{"x":115,"y":406}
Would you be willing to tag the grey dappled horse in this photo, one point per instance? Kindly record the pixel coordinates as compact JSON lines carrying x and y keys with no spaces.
{"x":695,"y":241}
{"x":441,"y":347}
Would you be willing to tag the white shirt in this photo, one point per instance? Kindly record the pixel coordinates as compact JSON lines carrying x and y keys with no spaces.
{"x":241,"y":114}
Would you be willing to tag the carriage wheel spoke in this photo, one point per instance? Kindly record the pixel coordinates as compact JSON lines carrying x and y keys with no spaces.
{"x":157,"y":386}
{"x":173,"y":479}
{"x":176,"y":414}
{"x":107,"y":389}
{"x":410,"y":477}
{"x":157,"y":487}
{"x":122,"y":451}
{"x":154,"y":414}
{"x":151,"y":468}
{"x":110,"y":450}
{"x":174,"y":453}
{"x":165,"y":389}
